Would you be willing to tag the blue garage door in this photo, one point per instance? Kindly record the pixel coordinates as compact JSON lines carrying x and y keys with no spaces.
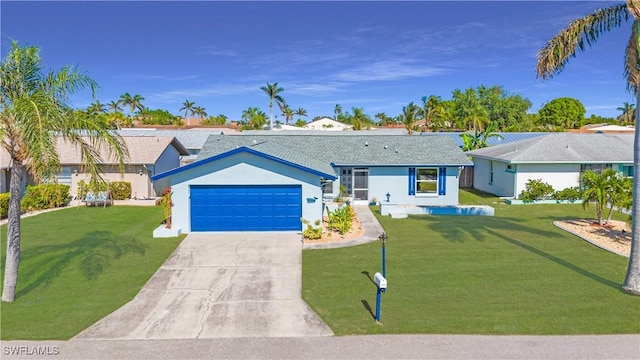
{"x":246,"y":208}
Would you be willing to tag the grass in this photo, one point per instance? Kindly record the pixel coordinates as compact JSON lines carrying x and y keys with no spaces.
{"x":514,"y":273}
{"x":78,"y":265}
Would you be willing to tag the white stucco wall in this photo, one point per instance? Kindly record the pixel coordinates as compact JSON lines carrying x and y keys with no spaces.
{"x":395,"y":181}
{"x":503,"y":180}
{"x":243,"y":169}
{"x":560,"y":176}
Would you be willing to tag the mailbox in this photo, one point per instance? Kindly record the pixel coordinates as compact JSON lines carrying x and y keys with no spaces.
{"x":380,"y":281}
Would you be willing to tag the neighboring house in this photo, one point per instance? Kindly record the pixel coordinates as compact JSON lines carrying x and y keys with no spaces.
{"x":147,"y":156}
{"x":191,"y":139}
{"x":557,"y":159}
{"x":605,"y":129}
{"x":269,"y":182}
{"x":327,"y":124}
{"x":5,"y":170}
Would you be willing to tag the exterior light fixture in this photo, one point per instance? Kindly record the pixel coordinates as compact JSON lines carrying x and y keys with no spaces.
{"x":388,"y":196}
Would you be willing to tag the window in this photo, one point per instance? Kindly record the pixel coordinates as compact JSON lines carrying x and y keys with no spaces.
{"x":490,"y":172}
{"x":510,"y":168}
{"x":327,"y":187}
{"x":427,"y":181}
{"x":596,"y":168}
{"x":627,"y":170}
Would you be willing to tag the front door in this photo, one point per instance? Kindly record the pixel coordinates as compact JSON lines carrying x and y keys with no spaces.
{"x":356,"y":183}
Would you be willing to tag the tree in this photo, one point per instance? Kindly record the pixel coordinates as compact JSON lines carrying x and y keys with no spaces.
{"x":133,"y":102}
{"x":562,"y":112}
{"x":337,"y":110}
{"x":431,"y":108}
{"x":221,"y":119}
{"x":114,"y":106}
{"x":200,"y":111}
{"x":96,"y":108}
{"x":409,"y":117}
{"x":253,"y":118}
{"x":187,"y":107}
{"x":159,"y":117}
{"x":628,"y":111}
{"x":552,"y":59}
{"x":288,"y":114}
{"x":597,"y":188}
{"x":301,"y":112}
{"x":33,"y":115}
{"x":272,"y":90}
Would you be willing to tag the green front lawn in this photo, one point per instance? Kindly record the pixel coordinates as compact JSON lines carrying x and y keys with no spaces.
{"x":78,"y":265}
{"x":514,"y":273}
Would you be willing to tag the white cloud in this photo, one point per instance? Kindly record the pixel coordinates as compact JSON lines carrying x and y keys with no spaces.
{"x":395,"y":69}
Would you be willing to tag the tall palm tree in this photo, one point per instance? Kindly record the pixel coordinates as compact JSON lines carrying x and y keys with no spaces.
{"x":301,"y":112}
{"x":578,"y":35}
{"x":337,"y":110}
{"x":96,"y":108}
{"x":133,"y":102}
{"x":33,"y":114}
{"x":187,"y":107}
{"x":628,"y":111}
{"x":431,"y":108}
{"x":200,"y":111}
{"x":288,"y":114}
{"x":114,"y":106}
{"x":272,"y":90}
{"x":409,"y":116}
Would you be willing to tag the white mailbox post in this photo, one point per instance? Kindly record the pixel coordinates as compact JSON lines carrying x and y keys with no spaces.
{"x":381,"y":285}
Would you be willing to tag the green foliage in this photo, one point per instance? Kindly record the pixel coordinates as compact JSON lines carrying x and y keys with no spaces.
{"x":536,"y":189}
{"x":158,"y":117}
{"x":45,"y":196}
{"x":570,"y":193}
{"x":167,"y":205}
{"x":311,"y":232}
{"x":341,"y":219}
{"x":563,"y":112}
{"x":120,"y":190}
{"x":4,"y":205}
{"x":221,"y":119}
{"x":253,"y":118}
{"x":93,"y":186}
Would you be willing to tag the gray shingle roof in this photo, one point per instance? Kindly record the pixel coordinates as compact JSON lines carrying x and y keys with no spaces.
{"x":563,"y":148}
{"x":190,"y":139}
{"x":507,"y":137}
{"x":284,"y":153}
{"x":355,"y":150}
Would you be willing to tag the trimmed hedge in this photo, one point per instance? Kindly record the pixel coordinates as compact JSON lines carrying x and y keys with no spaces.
{"x":4,"y":205}
{"x":45,"y":196}
{"x":120,"y":190}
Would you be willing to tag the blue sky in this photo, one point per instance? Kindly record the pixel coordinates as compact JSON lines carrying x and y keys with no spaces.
{"x":375,"y":55}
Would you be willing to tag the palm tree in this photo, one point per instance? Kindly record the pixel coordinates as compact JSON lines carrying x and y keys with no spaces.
{"x":431,"y":108}
{"x":628,"y":111}
{"x":200,"y":111}
{"x":187,"y":107}
{"x":409,"y":116}
{"x":552,"y":59}
{"x":33,"y":114}
{"x":287,"y":113}
{"x":301,"y":112}
{"x":337,"y":110}
{"x":272,"y":90}
{"x":596,"y":189}
{"x":133,"y":102}
{"x":114,"y":106}
{"x":96,"y":108}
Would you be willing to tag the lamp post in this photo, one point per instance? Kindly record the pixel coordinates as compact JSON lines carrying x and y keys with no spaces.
{"x":383,"y":241}
{"x":388,"y":196}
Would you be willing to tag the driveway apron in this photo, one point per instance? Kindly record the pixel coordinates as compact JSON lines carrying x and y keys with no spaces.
{"x":220,"y":285}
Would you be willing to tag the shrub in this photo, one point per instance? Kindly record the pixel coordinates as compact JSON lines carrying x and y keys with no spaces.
{"x":341,"y":219}
{"x":4,"y":205}
{"x":570,"y":193}
{"x":312,"y":233}
{"x":536,"y":189}
{"x":120,"y":190}
{"x":93,"y":186}
{"x":45,"y":196}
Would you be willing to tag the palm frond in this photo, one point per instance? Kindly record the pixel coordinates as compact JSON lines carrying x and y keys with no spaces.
{"x":578,"y":35}
{"x":632,"y":59}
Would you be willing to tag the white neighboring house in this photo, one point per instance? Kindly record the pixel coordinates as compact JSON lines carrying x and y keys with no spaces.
{"x":327,"y":124}
{"x":557,"y":159}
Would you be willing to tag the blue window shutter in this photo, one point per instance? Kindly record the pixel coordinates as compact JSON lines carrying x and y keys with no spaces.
{"x":412,"y":181}
{"x":442,"y":181}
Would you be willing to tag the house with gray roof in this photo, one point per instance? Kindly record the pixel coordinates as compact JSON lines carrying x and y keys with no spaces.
{"x":557,"y":159}
{"x":269,"y":182}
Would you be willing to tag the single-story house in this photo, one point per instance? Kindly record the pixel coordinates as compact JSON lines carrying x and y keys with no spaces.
{"x":147,"y":156}
{"x":5,"y":170}
{"x":557,"y":159}
{"x":270,"y":182}
{"x":327,"y":124}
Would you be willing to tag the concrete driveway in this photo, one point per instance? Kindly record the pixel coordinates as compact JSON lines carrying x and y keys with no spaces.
{"x":220,"y":285}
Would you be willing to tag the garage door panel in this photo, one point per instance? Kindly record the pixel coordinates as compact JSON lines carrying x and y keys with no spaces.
{"x":246,"y":208}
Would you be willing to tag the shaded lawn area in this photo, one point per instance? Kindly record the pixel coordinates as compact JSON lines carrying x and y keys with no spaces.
{"x":78,"y":265}
{"x":514,"y":273}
